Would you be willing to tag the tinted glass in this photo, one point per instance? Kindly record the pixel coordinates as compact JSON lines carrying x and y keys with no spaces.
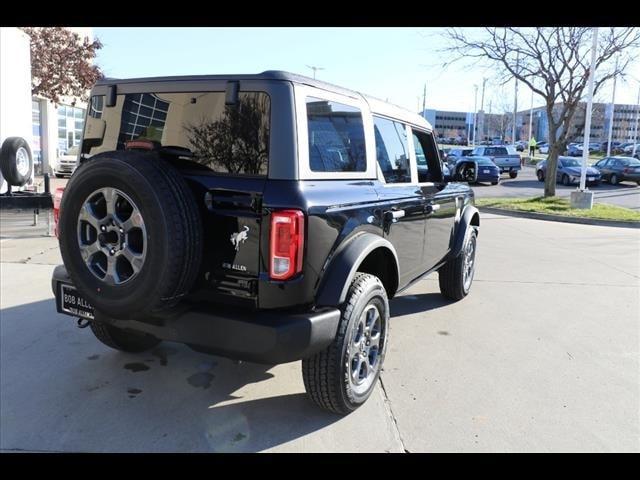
{"x":485,"y":161}
{"x":392,"y":152}
{"x":426,"y":155}
{"x":336,"y":137}
{"x":224,"y":138}
{"x":570,"y":162}
{"x":495,"y":151}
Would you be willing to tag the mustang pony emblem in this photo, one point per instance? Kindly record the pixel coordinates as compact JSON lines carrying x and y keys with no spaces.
{"x":239,"y":237}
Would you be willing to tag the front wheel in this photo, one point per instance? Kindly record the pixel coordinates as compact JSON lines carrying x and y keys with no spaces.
{"x":343,"y":376}
{"x":540,"y":176}
{"x":513,"y":174}
{"x":455,"y":276}
{"x":613,"y":180}
{"x":565,"y":180}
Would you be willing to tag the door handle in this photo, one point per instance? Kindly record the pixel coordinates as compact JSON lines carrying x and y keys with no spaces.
{"x":432,"y":208}
{"x":394,"y":215}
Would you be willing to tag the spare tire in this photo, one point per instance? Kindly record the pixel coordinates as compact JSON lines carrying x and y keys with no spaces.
{"x":130,"y":233}
{"x":16,"y":161}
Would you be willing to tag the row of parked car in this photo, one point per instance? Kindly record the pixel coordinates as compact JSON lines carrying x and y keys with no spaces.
{"x":613,"y":169}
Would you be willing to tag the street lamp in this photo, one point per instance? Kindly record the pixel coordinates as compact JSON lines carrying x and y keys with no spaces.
{"x":315,"y":69}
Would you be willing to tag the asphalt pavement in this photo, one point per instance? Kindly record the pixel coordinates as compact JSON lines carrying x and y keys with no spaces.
{"x":542,"y":356}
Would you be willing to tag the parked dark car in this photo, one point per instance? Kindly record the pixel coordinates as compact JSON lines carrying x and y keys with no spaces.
{"x":267,"y":218}
{"x":614,"y":146}
{"x":569,"y":171}
{"x":487,"y":171}
{"x":619,"y":169}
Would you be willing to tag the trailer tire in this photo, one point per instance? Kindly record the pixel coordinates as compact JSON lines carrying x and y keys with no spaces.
{"x":16,"y":161}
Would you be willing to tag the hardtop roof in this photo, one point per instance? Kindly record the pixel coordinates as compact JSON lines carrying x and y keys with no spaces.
{"x":376,"y":105}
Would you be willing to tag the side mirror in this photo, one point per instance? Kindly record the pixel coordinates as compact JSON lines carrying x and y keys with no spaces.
{"x":466,"y":171}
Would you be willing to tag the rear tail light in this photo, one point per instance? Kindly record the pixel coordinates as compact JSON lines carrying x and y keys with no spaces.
{"x":57,"y":198}
{"x":286,"y":244}
{"x":628,"y":170}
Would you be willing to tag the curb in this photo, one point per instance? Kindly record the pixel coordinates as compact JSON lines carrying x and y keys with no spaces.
{"x":560,"y":218}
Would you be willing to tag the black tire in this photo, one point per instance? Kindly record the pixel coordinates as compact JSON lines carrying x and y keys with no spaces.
{"x":494,"y":183}
{"x":326,"y":375}
{"x":58,"y":175}
{"x":613,"y":179}
{"x":513,"y":173}
{"x":125,"y":341}
{"x":172,"y":222}
{"x":540,"y":175}
{"x":13,"y":152}
{"x":451,"y":274}
{"x":565,"y":179}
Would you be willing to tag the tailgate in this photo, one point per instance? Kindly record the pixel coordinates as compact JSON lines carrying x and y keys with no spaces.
{"x":507,"y":161}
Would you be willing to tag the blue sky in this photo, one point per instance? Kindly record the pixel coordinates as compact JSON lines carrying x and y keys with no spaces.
{"x":389,"y":63}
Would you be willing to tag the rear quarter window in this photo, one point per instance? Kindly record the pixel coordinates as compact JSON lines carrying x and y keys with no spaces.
{"x":336,"y":137}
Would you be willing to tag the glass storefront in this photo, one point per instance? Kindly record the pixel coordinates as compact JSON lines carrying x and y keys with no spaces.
{"x":70,"y":123}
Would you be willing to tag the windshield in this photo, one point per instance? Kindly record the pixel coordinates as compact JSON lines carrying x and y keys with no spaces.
{"x":570,"y":163}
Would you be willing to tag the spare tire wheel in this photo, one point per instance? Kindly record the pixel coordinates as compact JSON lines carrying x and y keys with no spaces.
{"x":130,"y":234}
{"x":16,"y":161}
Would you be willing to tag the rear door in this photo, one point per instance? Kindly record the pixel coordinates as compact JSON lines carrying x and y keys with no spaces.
{"x":402,"y":200}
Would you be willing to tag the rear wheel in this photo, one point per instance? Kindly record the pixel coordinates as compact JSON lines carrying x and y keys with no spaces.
{"x":513,"y":173}
{"x":565,"y":179}
{"x":540,"y":175}
{"x":455,"y":276}
{"x":122,"y":340}
{"x":342,"y":377}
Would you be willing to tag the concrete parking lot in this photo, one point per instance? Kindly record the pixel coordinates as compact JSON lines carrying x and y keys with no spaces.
{"x":543,"y":355}
{"x":625,"y":194}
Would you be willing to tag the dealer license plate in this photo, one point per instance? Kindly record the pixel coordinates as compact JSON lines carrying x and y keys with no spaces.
{"x":71,"y":302}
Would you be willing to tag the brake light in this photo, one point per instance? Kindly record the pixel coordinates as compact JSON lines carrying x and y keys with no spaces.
{"x":57,"y":198}
{"x":628,"y":170}
{"x":286,"y":244}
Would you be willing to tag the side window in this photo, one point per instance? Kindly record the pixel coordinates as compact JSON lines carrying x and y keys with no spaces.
{"x":392,"y":151}
{"x":336,"y":137}
{"x":427,"y":157}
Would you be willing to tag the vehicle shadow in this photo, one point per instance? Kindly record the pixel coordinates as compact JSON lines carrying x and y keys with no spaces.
{"x":423,"y":302}
{"x":62,"y":390}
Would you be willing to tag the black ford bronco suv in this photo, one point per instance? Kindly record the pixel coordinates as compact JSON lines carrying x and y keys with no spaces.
{"x":266,"y":218}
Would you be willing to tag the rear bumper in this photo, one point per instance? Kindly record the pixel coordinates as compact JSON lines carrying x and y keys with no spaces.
{"x":262,"y":336}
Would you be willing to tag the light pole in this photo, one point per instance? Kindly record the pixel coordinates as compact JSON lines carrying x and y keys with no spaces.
{"x":475,"y":115}
{"x":635,"y":130}
{"x":581,"y":198}
{"x":315,"y":69}
{"x":613,"y":112}
{"x":484,"y":81}
{"x":515,"y":102}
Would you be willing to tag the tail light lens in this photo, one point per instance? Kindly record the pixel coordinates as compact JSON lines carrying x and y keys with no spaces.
{"x":628,"y":170}
{"x":57,"y":198}
{"x":286,"y":244}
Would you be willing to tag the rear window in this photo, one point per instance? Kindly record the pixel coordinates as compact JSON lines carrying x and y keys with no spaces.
{"x":336,"y":137}
{"x":485,"y":162}
{"x":231,"y":139}
{"x":492,"y":151}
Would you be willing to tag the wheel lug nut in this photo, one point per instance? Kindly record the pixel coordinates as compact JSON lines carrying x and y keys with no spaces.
{"x":103,"y":228}
{"x":112,"y":251}
{"x":122,"y":230}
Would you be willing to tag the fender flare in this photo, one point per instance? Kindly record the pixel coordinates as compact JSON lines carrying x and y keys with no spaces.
{"x":470,"y":218}
{"x":339,"y":274}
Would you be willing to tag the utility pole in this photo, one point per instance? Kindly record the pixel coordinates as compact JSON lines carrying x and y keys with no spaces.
{"x":635,"y":130}
{"x":475,"y":115}
{"x":484,"y":81}
{"x":613,"y":112}
{"x":424,"y":101}
{"x":580,"y":198}
{"x":515,"y":102}
{"x":315,"y":69}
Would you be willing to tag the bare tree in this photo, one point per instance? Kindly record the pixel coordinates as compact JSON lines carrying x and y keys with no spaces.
{"x":552,"y":61}
{"x":61,"y":63}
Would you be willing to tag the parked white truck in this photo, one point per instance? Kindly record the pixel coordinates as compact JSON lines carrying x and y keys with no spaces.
{"x":16,"y":159}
